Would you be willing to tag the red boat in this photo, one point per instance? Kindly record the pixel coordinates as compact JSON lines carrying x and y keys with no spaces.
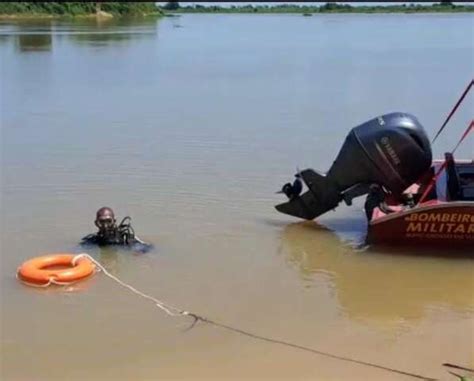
{"x":445,"y":218}
{"x":410,"y":198}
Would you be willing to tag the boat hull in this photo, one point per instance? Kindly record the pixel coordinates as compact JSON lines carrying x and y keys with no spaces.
{"x":431,"y":224}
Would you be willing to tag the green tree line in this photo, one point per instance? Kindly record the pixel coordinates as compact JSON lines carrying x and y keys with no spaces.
{"x":443,"y":6}
{"x":78,"y":8}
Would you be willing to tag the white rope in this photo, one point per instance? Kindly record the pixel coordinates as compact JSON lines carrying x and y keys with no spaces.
{"x":173,"y":311}
{"x":170,"y":310}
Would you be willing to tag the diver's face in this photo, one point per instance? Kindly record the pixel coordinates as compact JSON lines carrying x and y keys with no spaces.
{"x":105,"y":223}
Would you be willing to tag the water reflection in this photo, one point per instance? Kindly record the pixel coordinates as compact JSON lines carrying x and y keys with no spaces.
{"x":38,"y":35}
{"x":100,"y":39}
{"x":108,"y":257}
{"x":30,"y":35}
{"x":111,"y":257}
{"x":103,"y":32}
{"x":34,"y":42}
{"x":378,"y":288}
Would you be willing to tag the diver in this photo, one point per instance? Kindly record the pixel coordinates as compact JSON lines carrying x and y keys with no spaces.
{"x":378,"y":198}
{"x":110,"y":233}
{"x":375,"y":199}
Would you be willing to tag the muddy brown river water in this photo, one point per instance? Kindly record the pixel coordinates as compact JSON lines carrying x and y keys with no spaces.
{"x":190,"y":125}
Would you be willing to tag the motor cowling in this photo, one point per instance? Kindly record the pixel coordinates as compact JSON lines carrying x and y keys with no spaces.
{"x":391,"y":150}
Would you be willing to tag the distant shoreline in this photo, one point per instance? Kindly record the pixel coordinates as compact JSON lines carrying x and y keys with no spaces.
{"x":77,"y":10}
{"x":33,"y":16}
{"x":44,"y":16}
{"x":309,"y":13}
{"x":328,"y":8}
{"x":304,"y":10}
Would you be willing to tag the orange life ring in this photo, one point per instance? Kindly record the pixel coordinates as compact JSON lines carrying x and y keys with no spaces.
{"x":38,"y":271}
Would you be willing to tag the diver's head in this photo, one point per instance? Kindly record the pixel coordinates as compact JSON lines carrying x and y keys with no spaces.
{"x":105,"y":219}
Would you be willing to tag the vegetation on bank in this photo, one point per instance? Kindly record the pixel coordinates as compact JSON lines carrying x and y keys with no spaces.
{"x":58,"y":9}
{"x":49,"y":9}
{"x":443,"y":6}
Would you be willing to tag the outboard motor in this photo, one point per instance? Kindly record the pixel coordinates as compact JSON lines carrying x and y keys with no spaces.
{"x":391,"y":150}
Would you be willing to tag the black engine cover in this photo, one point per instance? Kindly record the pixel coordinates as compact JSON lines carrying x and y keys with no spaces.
{"x":391,"y":150}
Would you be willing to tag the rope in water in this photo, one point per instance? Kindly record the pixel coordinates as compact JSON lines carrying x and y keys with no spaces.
{"x":174,"y":311}
{"x":170,"y":310}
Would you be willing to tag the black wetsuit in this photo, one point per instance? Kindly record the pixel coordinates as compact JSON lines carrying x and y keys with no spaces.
{"x":121,"y":235}
{"x":375,"y":199}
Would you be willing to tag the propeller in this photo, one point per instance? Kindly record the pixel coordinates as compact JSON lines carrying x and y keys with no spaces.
{"x":295,"y":189}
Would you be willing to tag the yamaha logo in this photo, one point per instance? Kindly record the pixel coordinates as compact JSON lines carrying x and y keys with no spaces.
{"x":391,"y":152}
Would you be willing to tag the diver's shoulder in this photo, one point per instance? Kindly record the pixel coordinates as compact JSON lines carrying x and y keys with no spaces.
{"x":90,"y":238}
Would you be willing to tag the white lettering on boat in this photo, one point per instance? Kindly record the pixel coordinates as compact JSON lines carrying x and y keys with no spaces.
{"x":440,"y":225}
{"x":441,"y":217}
